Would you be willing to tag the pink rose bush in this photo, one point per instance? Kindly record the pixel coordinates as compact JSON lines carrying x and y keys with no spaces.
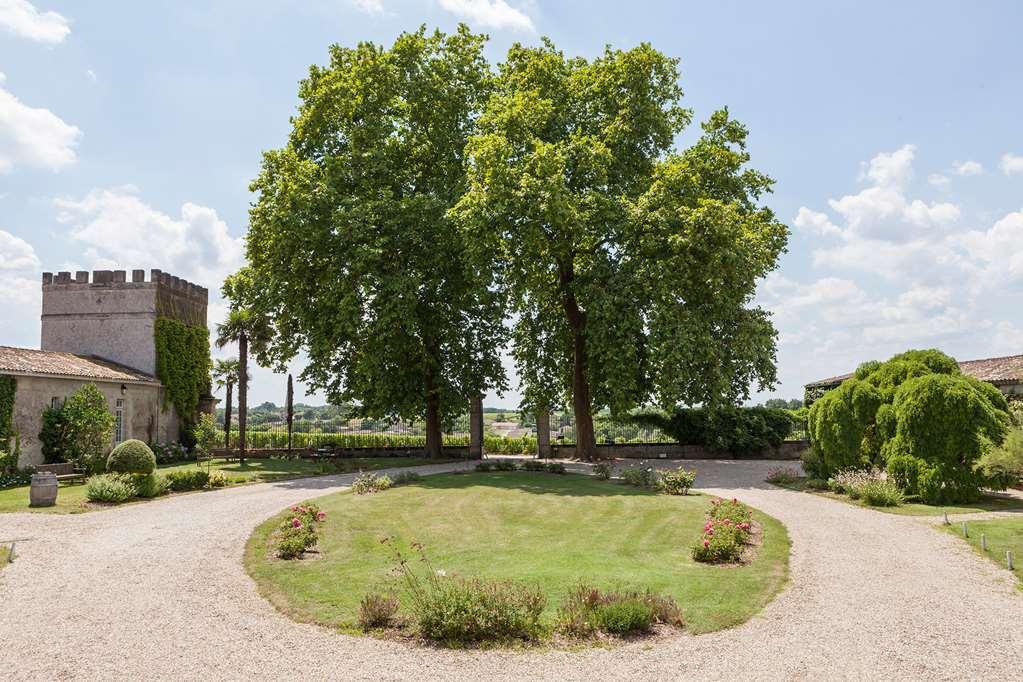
{"x":729,"y":528}
{"x":298,"y":531}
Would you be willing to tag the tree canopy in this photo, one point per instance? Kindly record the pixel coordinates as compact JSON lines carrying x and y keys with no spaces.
{"x":355,"y":257}
{"x":629,"y":266}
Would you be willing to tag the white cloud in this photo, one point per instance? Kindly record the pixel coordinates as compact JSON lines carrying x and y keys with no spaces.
{"x":815,"y":222}
{"x":33,"y":137}
{"x":892,"y":169}
{"x":91,"y":75}
{"x":938,"y":180}
{"x":119,"y":230}
{"x":16,"y":253}
{"x":1011,"y":164}
{"x":22,"y":19}
{"x":369,"y":6}
{"x":490,"y":13}
{"x":967,"y":168}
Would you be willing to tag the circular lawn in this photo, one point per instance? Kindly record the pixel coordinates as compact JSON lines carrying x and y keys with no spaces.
{"x":555,"y":531}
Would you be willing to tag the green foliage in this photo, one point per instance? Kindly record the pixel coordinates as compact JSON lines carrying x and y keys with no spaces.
{"x":406,"y":478}
{"x":218,"y":479}
{"x":131,"y":457}
{"x":636,"y":261}
{"x":728,"y":530}
{"x":357,"y":261}
{"x":588,"y":610}
{"x":150,"y":485}
{"x":52,"y":436}
{"x":1003,"y":466}
{"x":206,"y":433}
{"x":838,"y":425}
{"x":783,"y":476}
{"x":725,"y":429}
{"x":603,"y":470}
{"x":640,"y":477}
{"x":110,"y":488}
{"x":555,"y":468}
{"x":183,"y":364}
{"x":370,"y":482}
{"x":676,"y":481}
{"x":8,"y":389}
{"x":298,"y":531}
{"x":881,"y":493}
{"x":187,"y":479}
{"x":88,"y":428}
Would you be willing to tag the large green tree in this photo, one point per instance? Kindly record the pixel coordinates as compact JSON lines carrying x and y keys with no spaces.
{"x":356,"y":260}
{"x":630,"y":267}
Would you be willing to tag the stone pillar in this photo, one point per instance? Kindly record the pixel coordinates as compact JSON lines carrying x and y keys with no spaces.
{"x":543,"y":434}
{"x":476,"y":428}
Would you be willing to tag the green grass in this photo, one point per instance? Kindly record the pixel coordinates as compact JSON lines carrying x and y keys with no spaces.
{"x":987,"y":503}
{"x":1002,"y":535}
{"x":71,"y":498}
{"x":545,"y":529}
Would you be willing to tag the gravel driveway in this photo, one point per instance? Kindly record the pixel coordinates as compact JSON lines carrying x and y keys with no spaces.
{"x":157,"y":590}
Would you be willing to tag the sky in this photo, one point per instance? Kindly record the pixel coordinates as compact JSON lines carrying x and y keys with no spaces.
{"x":129,"y":133}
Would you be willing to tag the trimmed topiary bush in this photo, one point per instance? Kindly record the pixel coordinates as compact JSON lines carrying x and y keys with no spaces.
{"x":131,"y":457}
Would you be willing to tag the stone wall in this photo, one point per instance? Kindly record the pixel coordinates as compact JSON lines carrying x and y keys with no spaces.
{"x":787,"y":451}
{"x":114,"y":318}
{"x":145,"y":418}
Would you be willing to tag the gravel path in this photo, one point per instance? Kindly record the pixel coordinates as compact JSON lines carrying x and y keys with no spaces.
{"x":157,"y":590}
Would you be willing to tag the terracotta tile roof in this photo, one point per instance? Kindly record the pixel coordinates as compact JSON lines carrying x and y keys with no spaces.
{"x":1005,"y":370}
{"x":32,"y":361}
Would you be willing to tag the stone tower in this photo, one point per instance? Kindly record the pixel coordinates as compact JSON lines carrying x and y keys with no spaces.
{"x":113,"y":318}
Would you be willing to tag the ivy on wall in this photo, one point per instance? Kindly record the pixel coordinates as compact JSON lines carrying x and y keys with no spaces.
{"x":8,"y":387}
{"x":182,"y":364}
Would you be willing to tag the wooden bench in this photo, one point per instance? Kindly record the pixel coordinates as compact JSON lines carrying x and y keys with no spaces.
{"x":64,"y":471}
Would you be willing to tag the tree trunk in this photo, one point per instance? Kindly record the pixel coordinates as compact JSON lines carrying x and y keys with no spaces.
{"x":434,"y":439}
{"x":243,"y":392}
{"x":227,"y":415}
{"x":290,"y":409}
{"x":585,"y":442}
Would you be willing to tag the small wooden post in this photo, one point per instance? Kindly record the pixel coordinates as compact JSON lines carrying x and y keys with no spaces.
{"x":1008,"y":559}
{"x":966,"y":533}
{"x":983,"y":542}
{"x":947,"y":522}
{"x":10,"y":553}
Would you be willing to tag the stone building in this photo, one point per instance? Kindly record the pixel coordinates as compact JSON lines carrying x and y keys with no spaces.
{"x":101,"y":332}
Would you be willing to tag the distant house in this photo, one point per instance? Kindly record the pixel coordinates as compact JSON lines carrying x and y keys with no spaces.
{"x":1006,"y":373}
{"x":100,"y":332}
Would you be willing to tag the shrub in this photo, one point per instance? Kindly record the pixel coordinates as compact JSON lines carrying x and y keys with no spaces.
{"x":131,"y":457}
{"x":190,"y":479}
{"x":505,"y":465}
{"x":837,"y":425}
{"x":534,"y":465}
{"x":881,"y":493}
{"x":377,"y":611}
{"x":640,"y":477}
{"x":676,"y":481}
{"x":727,"y":531}
{"x":735,"y":430}
{"x":1003,"y":466}
{"x":460,"y":610}
{"x":218,"y":479}
{"x":406,"y":477}
{"x":783,"y":476}
{"x":149,"y":485}
{"x":815,"y":484}
{"x":485,"y":465}
{"x":904,"y":471}
{"x":206,"y":433}
{"x":588,"y":610}
{"x":168,"y":453}
{"x":812,"y":463}
{"x":369,"y":482}
{"x":602,"y":470}
{"x":110,"y":488}
{"x":298,"y":531}
{"x":52,"y":436}
{"x":555,"y":468}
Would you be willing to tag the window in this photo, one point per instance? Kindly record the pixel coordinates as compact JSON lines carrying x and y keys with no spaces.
{"x":56,"y":402}
{"x":119,"y":421}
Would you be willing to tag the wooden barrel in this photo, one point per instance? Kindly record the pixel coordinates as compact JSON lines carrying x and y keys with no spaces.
{"x":43,"y":492}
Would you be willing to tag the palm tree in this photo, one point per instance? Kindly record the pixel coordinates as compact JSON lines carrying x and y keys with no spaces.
{"x":236,"y":329}
{"x":225,"y":375}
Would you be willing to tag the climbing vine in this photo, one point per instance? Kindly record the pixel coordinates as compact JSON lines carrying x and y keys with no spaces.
{"x":182,"y":364}
{"x":8,"y":387}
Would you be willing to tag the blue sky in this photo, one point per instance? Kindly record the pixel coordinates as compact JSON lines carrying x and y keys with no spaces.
{"x":129,"y":133}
